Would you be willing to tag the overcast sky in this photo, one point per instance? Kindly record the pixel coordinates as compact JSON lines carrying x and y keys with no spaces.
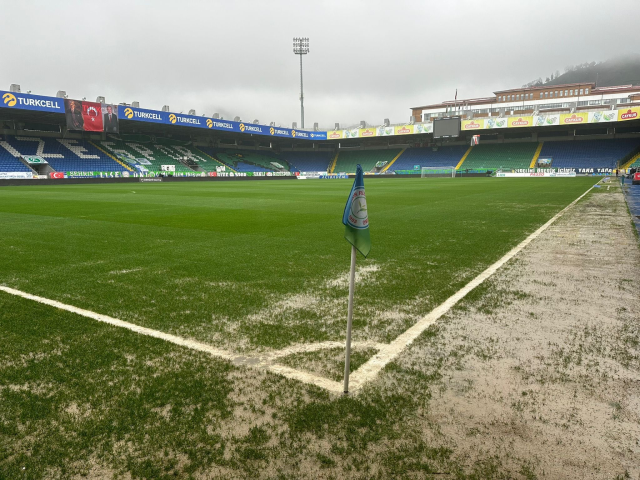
{"x":369,"y":60}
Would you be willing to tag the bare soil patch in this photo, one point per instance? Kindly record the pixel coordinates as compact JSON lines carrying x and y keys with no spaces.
{"x":541,"y":364}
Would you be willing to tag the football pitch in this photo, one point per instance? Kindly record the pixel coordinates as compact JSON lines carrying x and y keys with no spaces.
{"x":250,"y":268}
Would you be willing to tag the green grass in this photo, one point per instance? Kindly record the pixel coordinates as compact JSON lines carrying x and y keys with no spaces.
{"x":220,"y":262}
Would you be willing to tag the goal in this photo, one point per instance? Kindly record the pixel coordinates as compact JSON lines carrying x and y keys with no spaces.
{"x":438,"y":172}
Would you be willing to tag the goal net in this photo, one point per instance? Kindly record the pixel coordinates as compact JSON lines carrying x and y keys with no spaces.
{"x":438,"y":172}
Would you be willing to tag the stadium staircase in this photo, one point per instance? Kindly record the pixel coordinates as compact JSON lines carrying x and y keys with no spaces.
{"x":388,"y":165}
{"x":347,"y":160}
{"x":536,"y":155}
{"x":632,"y":162}
{"x":332,"y":166}
{"x":504,"y":156}
{"x":112,"y":157}
{"x":464,"y":157}
{"x":212,"y":162}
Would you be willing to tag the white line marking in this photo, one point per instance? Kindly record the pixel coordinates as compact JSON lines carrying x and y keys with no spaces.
{"x":389,"y":352}
{"x":386,"y":352}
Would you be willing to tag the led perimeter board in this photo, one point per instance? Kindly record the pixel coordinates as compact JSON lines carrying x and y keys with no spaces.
{"x":446,"y":127}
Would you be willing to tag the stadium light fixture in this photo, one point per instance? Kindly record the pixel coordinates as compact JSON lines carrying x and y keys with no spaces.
{"x":301,"y":47}
{"x":14,"y":88}
{"x":135,"y":104}
{"x":165,"y":108}
{"x":61,"y":94}
{"x":336,"y":126}
{"x":294,"y":125}
{"x":101,"y":100}
{"x":192,"y":112}
{"x":216,"y":116}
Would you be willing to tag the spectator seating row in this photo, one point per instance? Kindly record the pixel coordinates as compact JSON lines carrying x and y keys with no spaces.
{"x":500,"y":156}
{"x":588,"y":154}
{"x":63,"y":155}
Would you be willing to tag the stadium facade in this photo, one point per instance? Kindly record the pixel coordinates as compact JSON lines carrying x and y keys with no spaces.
{"x":578,"y":127}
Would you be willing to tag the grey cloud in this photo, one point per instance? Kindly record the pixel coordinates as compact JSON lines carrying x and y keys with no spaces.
{"x":369,"y":59}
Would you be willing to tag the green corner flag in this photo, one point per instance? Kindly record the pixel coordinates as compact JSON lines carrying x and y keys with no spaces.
{"x":356,"y":218}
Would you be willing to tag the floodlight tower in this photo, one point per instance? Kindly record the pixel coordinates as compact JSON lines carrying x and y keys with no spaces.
{"x":301,"y":47}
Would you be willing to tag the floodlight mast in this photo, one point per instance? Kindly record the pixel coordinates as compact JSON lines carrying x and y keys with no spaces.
{"x":301,"y":47}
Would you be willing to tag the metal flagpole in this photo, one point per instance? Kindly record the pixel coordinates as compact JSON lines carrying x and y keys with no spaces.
{"x":347,"y":355}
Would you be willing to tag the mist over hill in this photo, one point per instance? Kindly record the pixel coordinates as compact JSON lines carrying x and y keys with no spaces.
{"x":616,"y":71}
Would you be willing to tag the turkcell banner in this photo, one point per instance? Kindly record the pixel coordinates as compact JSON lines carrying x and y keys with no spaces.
{"x":31,"y":102}
{"x":167,"y":118}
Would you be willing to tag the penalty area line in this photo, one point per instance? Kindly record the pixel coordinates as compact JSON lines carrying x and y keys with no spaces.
{"x":390,"y":352}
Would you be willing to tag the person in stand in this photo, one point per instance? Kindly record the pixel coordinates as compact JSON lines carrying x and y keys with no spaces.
{"x":110,"y":121}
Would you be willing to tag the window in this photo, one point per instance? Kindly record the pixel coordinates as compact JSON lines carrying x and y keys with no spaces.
{"x":566,"y":92}
{"x":570,"y":92}
{"x":560,"y":92}
{"x":581,"y":91}
{"x":546,"y":94}
{"x":556,"y":93}
{"x":586,"y":91}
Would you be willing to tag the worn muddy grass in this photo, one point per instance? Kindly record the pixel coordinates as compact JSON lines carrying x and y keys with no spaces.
{"x":82,"y":399}
{"x":329,"y":362}
{"x":253,"y":266}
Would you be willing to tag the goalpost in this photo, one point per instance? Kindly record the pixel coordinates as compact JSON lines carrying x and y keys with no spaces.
{"x":438,"y":172}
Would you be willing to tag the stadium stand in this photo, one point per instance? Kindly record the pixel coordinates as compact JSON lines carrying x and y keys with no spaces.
{"x":63,"y":155}
{"x":307,"y":161}
{"x":247,"y":161}
{"x":587,"y":154}
{"x":505,"y":156}
{"x":184,"y":158}
{"x":348,"y":159}
{"x":448,"y":156}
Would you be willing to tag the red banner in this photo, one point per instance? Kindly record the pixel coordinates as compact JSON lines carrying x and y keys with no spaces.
{"x":56,"y":175}
{"x":92,"y":116}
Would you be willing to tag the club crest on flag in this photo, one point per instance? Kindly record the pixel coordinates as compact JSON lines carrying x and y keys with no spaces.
{"x":356,"y":216}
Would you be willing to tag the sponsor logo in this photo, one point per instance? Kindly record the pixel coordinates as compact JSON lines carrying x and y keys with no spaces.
{"x":573,"y":119}
{"x":250,"y":128}
{"x":128,"y":112}
{"x":9,"y":99}
{"x":172,"y":118}
{"x":335,"y":135}
{"x":366,"y":133}
{"x":471,"y":126}
{"x":272,"y":130}
{"x":629,"y":114}
{"x":213,"y":174}
{"x":520,"y":123}
{"x":404,"y":130}
{"x":293,"y":133}
{"x":209,"y":123}
{"x":56,"y":175}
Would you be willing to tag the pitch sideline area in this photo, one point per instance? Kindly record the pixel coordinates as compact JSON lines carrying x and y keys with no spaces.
{"x":386,"y":352}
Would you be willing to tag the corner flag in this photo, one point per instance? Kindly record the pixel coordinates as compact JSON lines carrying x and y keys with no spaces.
{"x":356,"y":218}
